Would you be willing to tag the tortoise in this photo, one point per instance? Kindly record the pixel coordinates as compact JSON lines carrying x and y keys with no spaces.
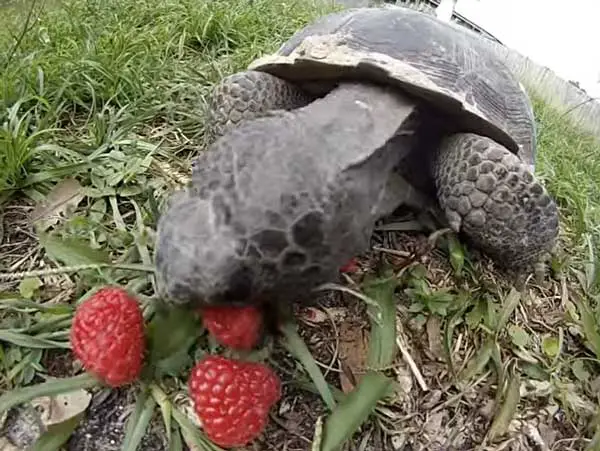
{"x":358,"y":113}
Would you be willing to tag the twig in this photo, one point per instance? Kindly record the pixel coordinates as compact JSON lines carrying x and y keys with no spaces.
{"x":5,"y":277}
{"x":394,"y":252}
{"x":413,"y":366}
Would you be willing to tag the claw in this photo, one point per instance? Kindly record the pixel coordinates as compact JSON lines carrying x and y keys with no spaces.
{"x":454,"y":220}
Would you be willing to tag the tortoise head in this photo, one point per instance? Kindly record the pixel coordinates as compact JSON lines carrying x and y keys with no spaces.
{"x":198,"y":258}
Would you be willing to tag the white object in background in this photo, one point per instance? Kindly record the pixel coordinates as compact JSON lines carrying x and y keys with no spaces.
{"x":445,"y":9}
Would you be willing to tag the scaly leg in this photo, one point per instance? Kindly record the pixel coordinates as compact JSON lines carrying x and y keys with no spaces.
{"x":248,"y":95}
{"x":492,"y":197}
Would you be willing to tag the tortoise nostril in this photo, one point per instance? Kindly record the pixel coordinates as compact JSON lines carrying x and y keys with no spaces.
{"x":240,"y":285}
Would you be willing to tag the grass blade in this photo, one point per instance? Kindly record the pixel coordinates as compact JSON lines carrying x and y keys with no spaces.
{"x":165,"y":407}
{"x":57,"y":435}
{"x":72,"y":251}
{"x":193,"y":434}
{"x":382,"y":342}
{"x":138,"y":422}
{"x":589,"y":325}
{"x":510,"y":304}
{"x":28,"y":341}
{"x":354,"y":410}
{"x":477,"y":365}
{"x":296,"y":346}
{"x":594,"y":443}
{"x":175,"y":442}
{"x":49,"y":388}
{"x":507,"y":410}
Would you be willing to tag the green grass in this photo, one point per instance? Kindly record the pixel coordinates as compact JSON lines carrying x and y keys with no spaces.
{"x":106,"y":100}
{"x":89,"y":76}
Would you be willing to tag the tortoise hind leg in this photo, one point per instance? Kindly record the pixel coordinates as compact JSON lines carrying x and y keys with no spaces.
{"x":248,"y":95}
{"x":491,"y":196}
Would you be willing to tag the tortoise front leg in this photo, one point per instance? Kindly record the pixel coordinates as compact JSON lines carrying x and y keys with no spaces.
{"x":491,"y":196}
{"x":248,"y":95}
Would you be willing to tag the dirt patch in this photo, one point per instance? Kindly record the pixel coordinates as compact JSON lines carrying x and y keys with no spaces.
{"x":432,"y":409}
{"x":18,"y":244}
{"x":59,"y":363}
{"x":104,"y":425}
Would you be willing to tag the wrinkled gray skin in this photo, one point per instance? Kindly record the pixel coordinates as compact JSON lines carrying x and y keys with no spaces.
{"x":358,"y":113}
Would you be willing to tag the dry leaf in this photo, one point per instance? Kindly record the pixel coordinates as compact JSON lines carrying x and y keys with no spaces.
{"x":508,"y":408}
{"x":62,"y":407}
{"x":534,"y":437}
{"x":314,"y":315}
{"x":337,"y":313}
{"x":434,"y":336}
{"x":354,"y":348}
{"x":64,"y":196}
{"x":184,"y":403}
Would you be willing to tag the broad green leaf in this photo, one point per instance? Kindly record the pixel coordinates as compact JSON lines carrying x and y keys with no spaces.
{"x":72,"y":251}
{"x":580,"y":371}
{"x":518,"y":335}
{"x":475,"y":316}
{"x":382,"y":341}
{"x":57,"y":434}
{"x":457,"y":255}
{"x":356,"y":407}
{"x":48,"y":388}
{"x":173,"y":365}
{"x":476,"y":365}
{"x":29,"y":287}
{"x":171,"y":333}
{"x":296,"y":346}
{"x":416,"y":307}
{"x":97,"y":212}
{"x":550,"y":346}
{"x":171,"y":330}
{"x":439,"y":301}
{"x":534,"y":371}
{"x":507,"y":410}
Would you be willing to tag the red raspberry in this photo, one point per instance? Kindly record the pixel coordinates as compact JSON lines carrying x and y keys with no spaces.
{"x":236,"y":327}
{"x":350,"y":267}
{"x":232,"y":398}
{"x":107,"y":335}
